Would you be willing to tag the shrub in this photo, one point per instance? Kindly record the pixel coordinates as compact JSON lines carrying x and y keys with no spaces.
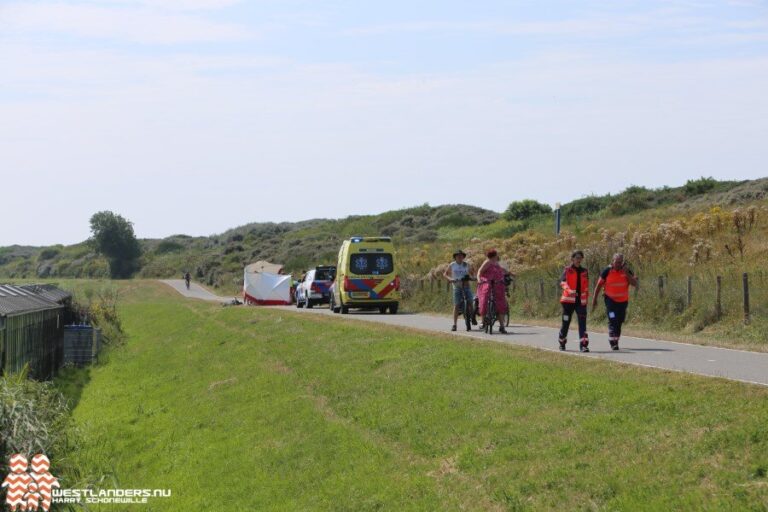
{"x":239,"y":248}
{"x":699,"y":186}
{"x":100,"y":309}
{"x":454,"y":220}
{"x":48,"y":253}
{"x":34,"y":418}
{"x":168,"y":246}
{"x":585,"y":206}
{"x":525,"y":209}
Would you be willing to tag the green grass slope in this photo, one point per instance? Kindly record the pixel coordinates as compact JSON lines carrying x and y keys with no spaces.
{"x":264,"y":409}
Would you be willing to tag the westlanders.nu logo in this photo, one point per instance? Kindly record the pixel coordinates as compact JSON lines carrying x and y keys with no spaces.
{"x":31,"y":489}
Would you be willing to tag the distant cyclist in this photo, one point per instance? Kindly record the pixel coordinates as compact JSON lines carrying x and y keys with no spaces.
{"x":616,"y":279}
{"x":187,"y":279}
{"x":458,"y":274}
{"x":575,"y":285}
{"x":492,"y":271}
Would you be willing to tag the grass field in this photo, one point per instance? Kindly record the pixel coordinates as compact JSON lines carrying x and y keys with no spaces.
{"x":262,"y":409}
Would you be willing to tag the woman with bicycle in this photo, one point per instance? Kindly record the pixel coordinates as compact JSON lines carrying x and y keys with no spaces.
{"x":458,"y":274}
{"x":491,"y":292}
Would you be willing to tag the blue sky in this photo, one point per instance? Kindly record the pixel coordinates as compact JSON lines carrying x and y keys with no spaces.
{"x":193,"y":116}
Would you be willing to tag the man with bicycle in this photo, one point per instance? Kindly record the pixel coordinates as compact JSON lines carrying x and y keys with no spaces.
{"x":458,"y":274}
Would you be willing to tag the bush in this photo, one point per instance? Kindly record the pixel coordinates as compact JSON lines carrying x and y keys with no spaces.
{"x":585,"y":206}
{"x":454,"y":220}
{"x":632,"y":200}
{"x":525,"y":209}
{"x":168,"y":246}
{"x":34,"y":418}
{"x":699,"y":186}
{"x":100,"y":309}
{"x":47,"y":254}
{"x":239,"y":248}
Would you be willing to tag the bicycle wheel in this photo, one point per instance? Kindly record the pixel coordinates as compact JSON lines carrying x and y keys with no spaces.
{"x":491,"y":316}
{"x":467,"y":316}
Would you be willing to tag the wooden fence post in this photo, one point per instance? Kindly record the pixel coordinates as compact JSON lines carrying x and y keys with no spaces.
{"x":541,"y":290}
{"x":690,"y":291}
{"x":745,"y":283}
{"x":718,"y":297}
{"x":661,"y":287}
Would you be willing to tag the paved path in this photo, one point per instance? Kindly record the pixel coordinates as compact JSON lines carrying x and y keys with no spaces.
{"x":740,"y":365}
{"x":195,"y":291}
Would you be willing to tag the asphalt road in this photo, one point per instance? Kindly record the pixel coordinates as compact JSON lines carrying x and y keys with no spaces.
{"x":739,"y":365}
{"x":195,"y":291}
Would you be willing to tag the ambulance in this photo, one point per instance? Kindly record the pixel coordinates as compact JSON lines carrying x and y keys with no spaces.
{"x":366,"y":276}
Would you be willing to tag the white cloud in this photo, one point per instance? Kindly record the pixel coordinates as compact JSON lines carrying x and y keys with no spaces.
{"x":175,"y":5}
{"x":673,"y":22}
{"x":125,"y":23}
{"x":592,"y":25}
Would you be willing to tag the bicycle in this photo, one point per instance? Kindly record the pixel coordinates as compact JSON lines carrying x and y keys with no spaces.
{"x":489,"y":318}
{"x":466,"y":308}
{"x":507,"y":283}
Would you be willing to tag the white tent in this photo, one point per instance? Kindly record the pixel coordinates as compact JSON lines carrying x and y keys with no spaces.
{"x":266,"y":288}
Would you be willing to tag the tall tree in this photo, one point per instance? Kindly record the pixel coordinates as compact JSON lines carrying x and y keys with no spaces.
{"x":112,"y":235}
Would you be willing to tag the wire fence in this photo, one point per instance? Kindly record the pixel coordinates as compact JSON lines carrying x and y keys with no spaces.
{"x":704,"y":297}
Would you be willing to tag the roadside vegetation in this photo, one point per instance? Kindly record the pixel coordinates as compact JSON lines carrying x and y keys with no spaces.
{"x":36,"y":417}
{"x":323,"y":414}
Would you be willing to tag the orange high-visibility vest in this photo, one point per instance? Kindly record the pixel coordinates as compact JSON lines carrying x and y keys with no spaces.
{"x":617,"y":285}
{"x":569,"y":286}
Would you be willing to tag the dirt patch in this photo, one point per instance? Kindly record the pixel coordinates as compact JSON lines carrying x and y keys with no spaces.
{"x":447,"y":467}
{"x":225,"y":382}
{"x":280,"y":367}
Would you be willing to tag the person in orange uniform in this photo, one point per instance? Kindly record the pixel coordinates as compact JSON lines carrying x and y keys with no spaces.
{"x":575,"y":285}
{"x":616,"y":280}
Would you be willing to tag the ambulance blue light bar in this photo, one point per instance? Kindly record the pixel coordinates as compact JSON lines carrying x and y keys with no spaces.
{"x":358,"y":239}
